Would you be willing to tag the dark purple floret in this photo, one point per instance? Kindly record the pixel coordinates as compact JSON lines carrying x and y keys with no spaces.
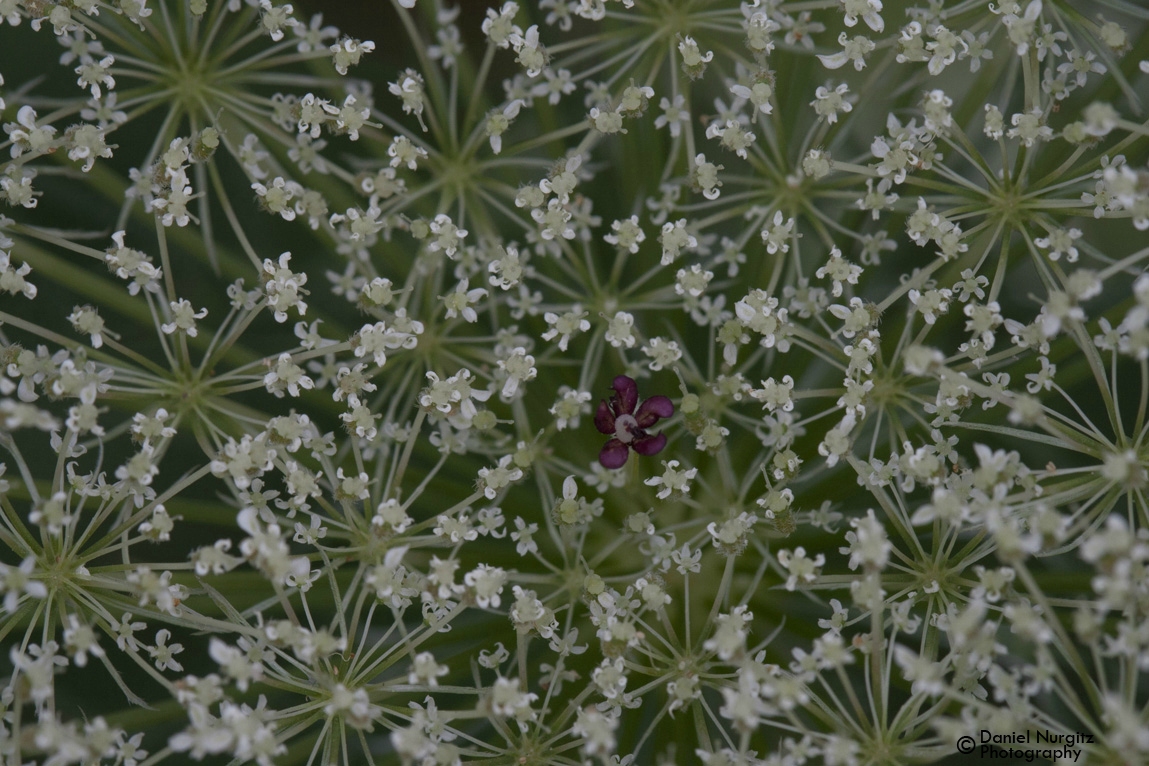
{"x":627,"y":425}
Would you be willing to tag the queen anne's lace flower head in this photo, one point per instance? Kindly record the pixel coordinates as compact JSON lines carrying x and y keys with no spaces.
{"x":298,"y":459}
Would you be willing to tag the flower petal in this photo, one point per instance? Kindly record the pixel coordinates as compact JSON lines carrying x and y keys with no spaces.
{"x":653,"y":409}
{"x":614,"y":454}
{"x":648,"y":445}
{"x":627,"y":395}
{"x":604,"y":418}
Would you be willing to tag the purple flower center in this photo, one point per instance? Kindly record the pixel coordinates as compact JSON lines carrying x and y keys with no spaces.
{"x":626,"y":428}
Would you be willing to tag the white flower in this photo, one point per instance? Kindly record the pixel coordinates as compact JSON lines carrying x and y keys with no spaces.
{"x":1059,"y":242}
{"x":509,"y":700}
{"x":347,"y":52}
{"x":563,"y":326}
{"x":499,"y":25}
{"x":830,"y":103}
{"x":86,"y":142}
{"x":408,"y":87}
{"x":840,"y":271}
{"x":460,"y":302}
{"x":1021,"y":28}
{"x":694,"y":61}
{"x":507,"y":270}
{"x":626,"y":234}
{"x":388,"y":578}
{"x":12,"y":280}
{"x":776,"y":395}
{"x":492,"y":480}
{"x":869,"y":10}
{"x":403,"y":152}
{"x":595,"y":731}
{"x":164,"y":654}
{"x":674,"y":239}
{"x":606,"y":121}
{"x":277,"y":18}
{"x":16,"y":185}
{"x":672,"y":481}
{"x":946,"y":47}
{"x":777,"y":237}
{"x":286,"y":375}
{"x":284,"y":289}
{"x":499,"y":121}
{"x":267,"y":550}
{"x":530,"y":52}
{"x":732,"y":136}
{"x":26,"y":135}
{"x":853,"y":49}
{"x":94,"y":74}
{"x":80,"y":640}
{"x":569,"y":407}
{"x":523,"y":537}
{"x":673,"y":114}
{"x":730,"y":633}
{"x":1030,"y":127}
{"x":425,"y":670}
{"x":662,"y":353}
{"x":487,"y":584}
{"x":554,"y":221}
{"x":800,"y":567}
{"x":377,"y":339}
{"x":349,"y":117}
{"x":17,"y":582}
{"x":183,"y":318}
{"x":447,"y":236}
{"x":634,"y":98}
{"x":706,"y":177}
{"x":994,"y":122}
{"x":519,"y":367}
{"x":620,"y":331}
{"x":760,"y":28}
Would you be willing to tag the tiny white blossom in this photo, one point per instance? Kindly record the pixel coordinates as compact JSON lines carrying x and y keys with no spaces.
{"x":672,"y":481}
{"x":674,"y":239}
{"x":183,"y":318}
{"x":498,"y":122}
{"x":564,"y":326}
{"x":801,"y":568}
